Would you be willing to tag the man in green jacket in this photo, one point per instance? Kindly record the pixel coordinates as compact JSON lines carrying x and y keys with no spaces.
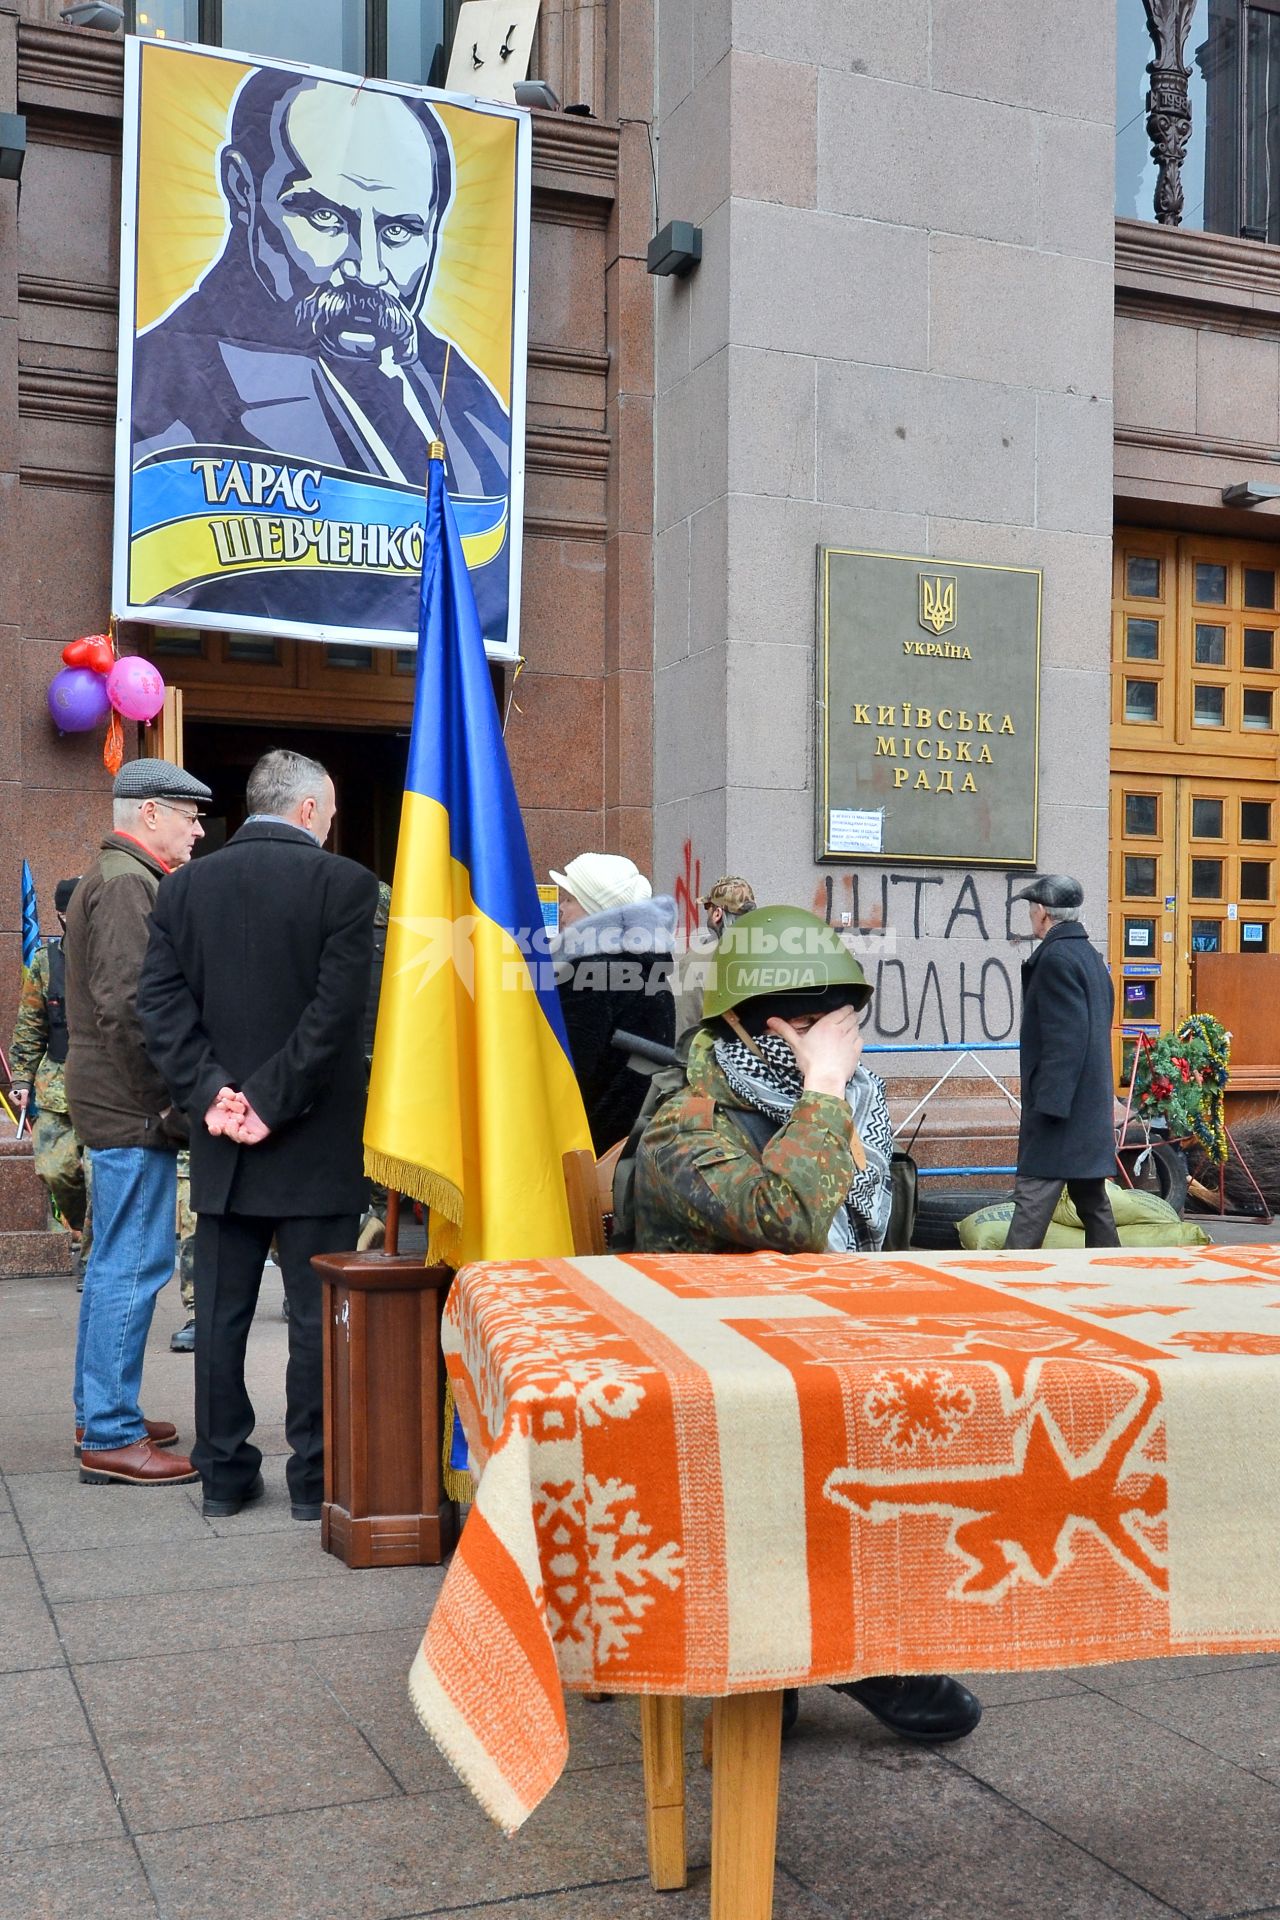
{"x":122,"y":1111}
{"x":781,"y":1141}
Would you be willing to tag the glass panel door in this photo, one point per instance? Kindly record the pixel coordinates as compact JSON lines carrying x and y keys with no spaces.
{"x":1195,"y":803}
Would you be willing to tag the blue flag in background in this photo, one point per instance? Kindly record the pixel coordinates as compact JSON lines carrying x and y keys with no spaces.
{"x":30,"y":918}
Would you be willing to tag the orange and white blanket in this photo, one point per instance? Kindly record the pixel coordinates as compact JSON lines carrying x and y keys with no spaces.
{"x":705,"y":1474}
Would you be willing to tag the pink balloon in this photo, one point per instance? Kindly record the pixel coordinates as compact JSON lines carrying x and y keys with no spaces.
{"x":135,"y":689}
{"x":77,"y":700}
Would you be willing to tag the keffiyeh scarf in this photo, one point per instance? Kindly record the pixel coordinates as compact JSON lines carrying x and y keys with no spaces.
{"x":774,"y":1083}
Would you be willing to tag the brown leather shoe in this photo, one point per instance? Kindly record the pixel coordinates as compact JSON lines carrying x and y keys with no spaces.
{"x":161,"y":1433}
{"x":140,"y":1465}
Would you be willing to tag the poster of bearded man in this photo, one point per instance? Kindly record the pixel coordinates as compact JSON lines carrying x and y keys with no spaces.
{"x":320,"y":276}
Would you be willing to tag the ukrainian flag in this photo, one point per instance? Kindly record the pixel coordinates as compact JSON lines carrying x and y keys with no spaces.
{"x":472,"y":1096}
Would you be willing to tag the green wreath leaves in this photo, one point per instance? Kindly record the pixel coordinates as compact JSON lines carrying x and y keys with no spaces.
{"x":1179,"y":1077}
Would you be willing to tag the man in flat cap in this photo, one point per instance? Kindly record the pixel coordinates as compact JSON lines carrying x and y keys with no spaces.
{"x":123,"y":1112}
{"x":1067,"y":1133}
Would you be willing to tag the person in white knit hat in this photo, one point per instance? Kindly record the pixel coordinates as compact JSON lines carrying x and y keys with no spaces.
{"x":596,"y":882}
{"x":613,"y":967}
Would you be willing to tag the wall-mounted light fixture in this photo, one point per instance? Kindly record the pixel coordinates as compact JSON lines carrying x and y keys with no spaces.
{"x":677,"y":249}
{"x":13,"y":145}
{"x":1250,"y":493}
{"x":536,"y":93}
{"x":94,"y":13}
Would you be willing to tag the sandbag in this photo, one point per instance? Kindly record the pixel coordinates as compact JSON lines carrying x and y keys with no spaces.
{"x":1142,"y":1220}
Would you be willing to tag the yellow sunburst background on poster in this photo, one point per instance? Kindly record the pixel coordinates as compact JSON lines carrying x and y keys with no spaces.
{"x":182,"y":218}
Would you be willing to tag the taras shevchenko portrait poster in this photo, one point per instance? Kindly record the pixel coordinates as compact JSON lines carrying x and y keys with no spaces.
{"x":321,"y":275}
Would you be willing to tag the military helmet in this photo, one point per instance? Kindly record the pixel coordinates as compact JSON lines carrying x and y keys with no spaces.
{"x":782,"y":953}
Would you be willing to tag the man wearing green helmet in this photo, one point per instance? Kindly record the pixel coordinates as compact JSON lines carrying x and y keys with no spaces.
{"x":780,"y":1044}
{"x":781,"y":1141}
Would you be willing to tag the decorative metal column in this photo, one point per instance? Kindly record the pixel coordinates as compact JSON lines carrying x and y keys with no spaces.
{"x":1168,"y":108}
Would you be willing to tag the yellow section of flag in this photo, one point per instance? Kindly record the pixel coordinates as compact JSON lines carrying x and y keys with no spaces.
{"x":472,"y":1098}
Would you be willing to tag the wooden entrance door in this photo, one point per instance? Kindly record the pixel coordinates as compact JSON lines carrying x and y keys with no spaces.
{"x":1194,"y":798}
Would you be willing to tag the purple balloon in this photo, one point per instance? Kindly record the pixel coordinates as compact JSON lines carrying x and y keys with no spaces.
{"x":77,"y":700}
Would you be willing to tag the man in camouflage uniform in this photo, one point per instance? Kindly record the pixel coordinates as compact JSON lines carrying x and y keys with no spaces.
{"x":780,"y":1141}
{"x":723,"y":904}
{"x":184,"y":1340}
{"x":38,"y":1057}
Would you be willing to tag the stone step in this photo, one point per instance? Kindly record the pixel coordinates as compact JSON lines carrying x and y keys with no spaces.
{"x":23,"y":1254}
{"x":972,"y":1126}
{"x":29,"y":1244}
{"x":24,"y":1204}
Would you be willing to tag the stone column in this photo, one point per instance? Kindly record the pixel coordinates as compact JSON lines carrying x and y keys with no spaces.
{"x":11,"y":849}
{"x":899,"y":338}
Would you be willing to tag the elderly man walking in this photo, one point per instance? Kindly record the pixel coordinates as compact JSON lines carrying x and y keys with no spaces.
{"x":252,"y":999}
{"x":122,"y":1110}
{"x":1067,"y":1134}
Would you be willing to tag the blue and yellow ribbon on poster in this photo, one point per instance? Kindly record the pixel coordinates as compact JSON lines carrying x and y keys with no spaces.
{"x":211,"y":513}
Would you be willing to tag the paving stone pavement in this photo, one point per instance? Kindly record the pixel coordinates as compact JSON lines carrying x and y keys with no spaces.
{"x":209,"y":1722}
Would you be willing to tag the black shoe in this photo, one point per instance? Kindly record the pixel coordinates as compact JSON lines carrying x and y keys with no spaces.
{"x":790,"y":1709}
{"x":224,"y":1509}
{"x":924,"y":1706}
{"x":305,"y":1510}
{"x":184,"y":1340}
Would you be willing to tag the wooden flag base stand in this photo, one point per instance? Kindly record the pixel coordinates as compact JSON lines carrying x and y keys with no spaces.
{"x":384,"y":1501}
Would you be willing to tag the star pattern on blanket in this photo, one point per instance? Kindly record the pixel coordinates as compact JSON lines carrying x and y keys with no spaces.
{"x":1004,"y":1536}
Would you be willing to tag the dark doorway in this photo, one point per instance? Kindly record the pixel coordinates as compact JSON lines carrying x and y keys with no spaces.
{"x":367,"y":769}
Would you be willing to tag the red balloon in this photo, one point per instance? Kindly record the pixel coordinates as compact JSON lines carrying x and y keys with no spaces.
{"x":99,"y":654}
{"x":76,"y":654}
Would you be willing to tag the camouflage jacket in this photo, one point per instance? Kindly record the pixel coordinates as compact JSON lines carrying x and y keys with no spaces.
{"x":28,"y":1055}
{"x":701,"y":1186}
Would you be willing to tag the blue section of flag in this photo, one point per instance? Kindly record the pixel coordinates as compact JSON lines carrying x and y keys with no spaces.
{"x":457,"y":755}
{"x":30,"y":918}
{"x":459,"y":1457}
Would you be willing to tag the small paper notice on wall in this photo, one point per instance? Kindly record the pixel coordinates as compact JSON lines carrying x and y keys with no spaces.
{"x":856,"y":829}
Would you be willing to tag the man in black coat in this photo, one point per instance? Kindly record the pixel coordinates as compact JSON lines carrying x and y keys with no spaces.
{"x":252,"y":1000}
{"x":1067,"y":1134}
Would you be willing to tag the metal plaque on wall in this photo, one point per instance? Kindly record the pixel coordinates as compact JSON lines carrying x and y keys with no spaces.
{"x":928,"y":709}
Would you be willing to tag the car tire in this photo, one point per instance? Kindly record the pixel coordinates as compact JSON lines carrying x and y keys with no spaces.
{"x":938,"y":1216}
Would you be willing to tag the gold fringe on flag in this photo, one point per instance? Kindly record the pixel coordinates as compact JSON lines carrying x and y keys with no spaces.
{"x":420,"y":1183}
{"x":458,"y":1483}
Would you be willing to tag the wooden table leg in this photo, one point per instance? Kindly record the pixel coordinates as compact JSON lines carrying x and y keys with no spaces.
{"x":747,"y":1733}
{"x":662,"y":1738}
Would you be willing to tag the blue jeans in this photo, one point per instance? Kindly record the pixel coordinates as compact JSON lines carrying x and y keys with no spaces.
{"x":135,"y":1197}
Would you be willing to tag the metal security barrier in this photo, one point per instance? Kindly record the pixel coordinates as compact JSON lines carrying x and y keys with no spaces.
{"x":963,"y":1052}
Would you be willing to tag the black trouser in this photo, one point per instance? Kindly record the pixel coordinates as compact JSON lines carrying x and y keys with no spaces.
{"x":230,"y":1252}
{"x":1035,"y":1200}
